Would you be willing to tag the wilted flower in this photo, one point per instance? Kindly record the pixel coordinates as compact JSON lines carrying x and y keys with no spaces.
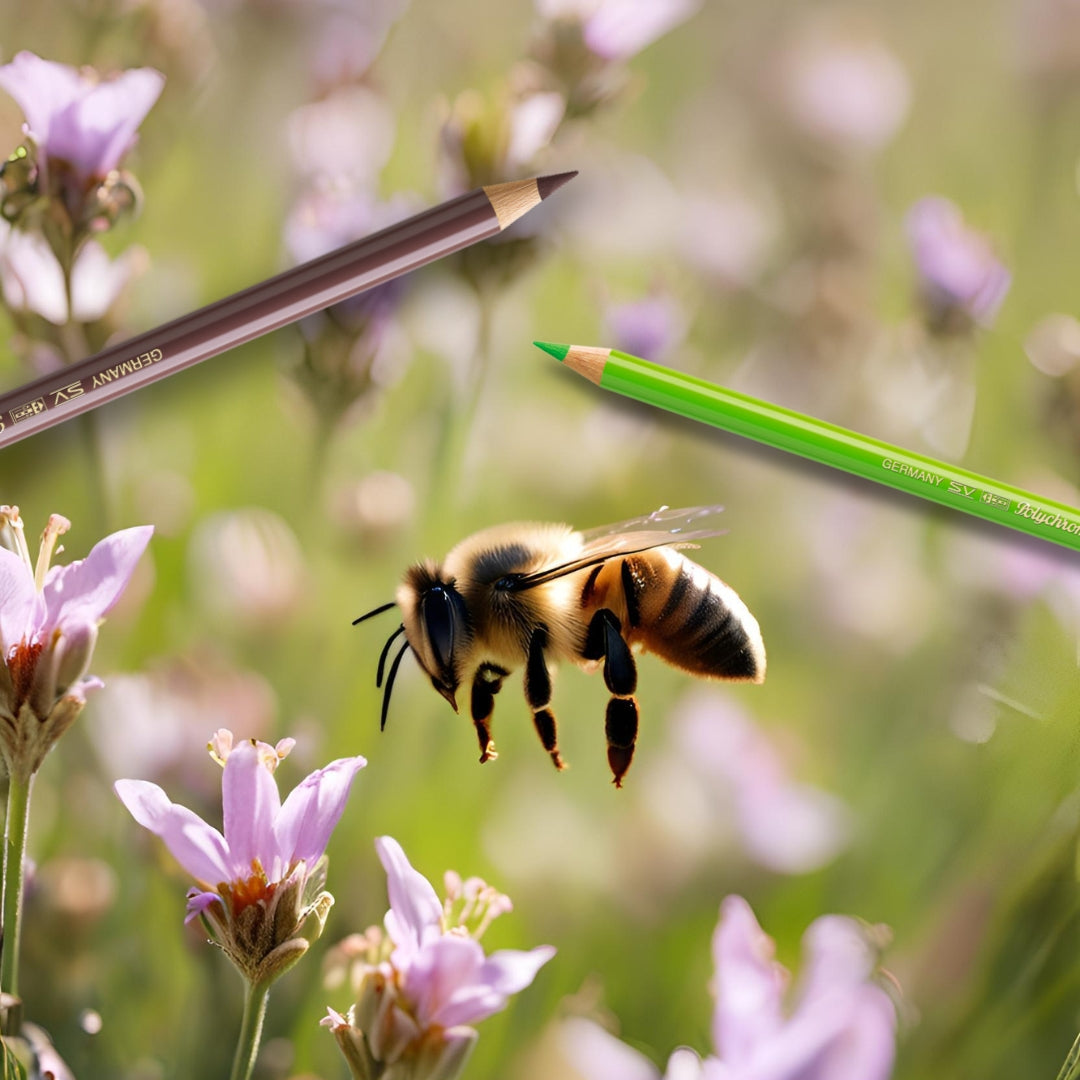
{"x":840,"y":1024}
{"x":49,"y":620}
{"x":259,"y":885}
{"x":961,"y":280}
{"x":420,"y":985}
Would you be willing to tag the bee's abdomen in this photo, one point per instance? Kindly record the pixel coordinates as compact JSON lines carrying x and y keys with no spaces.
{"x":691,"y":618}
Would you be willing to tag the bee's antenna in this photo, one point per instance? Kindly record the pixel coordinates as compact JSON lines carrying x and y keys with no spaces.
{"x":385,"y":652}
{"x":376,"y":611}
{"x":390,"y":686}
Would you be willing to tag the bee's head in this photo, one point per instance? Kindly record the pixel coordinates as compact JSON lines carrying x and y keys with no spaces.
{"x":436,"y":625}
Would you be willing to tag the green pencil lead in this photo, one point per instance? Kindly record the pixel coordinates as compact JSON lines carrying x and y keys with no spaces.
{"x":558,"y":351}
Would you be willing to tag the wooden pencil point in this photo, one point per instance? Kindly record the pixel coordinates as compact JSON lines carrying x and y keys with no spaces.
{"x":587,"y":361}
{"x":512,"y":200}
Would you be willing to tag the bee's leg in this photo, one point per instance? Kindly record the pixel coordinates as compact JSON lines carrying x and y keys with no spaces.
{"x":538,"y":694}
{"x":604,"y":639}
{"x":487,"y":682}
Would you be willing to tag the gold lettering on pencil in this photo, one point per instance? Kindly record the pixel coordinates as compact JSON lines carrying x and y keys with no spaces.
{"x":904,"y":469}
{"x":135,"y":363}
{"x":1042,"y":517}
{"x":31,"y":408}
{"x":72,"y":390}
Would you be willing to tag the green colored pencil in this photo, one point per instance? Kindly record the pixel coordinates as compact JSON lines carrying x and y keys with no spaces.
{"x":819,"y":441}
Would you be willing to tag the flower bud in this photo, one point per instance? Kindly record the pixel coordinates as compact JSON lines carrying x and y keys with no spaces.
{"x":74,"y":651}
{"x":18,"y":182}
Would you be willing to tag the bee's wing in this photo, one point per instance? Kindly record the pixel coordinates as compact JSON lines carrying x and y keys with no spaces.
{"x":662,"y":528}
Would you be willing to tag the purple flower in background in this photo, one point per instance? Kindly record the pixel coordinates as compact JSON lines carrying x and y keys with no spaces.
{"x":77,"y":118}
{"x":840,"y":1026}
{"x":264,"y":858}
{"x":961,"y":280}
{"x":421,"y":985}
{"x":49,"y":618}
{"x":619,"y":29}
{"x":649,"y":328}
{"x":784,"y":825}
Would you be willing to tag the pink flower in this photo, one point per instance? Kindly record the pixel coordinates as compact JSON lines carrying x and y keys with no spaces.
{"x":420,"y":985}
{"x":49,"y":618}
{"x":960,"y":277}
{"x":841,"y":1025}
{"x":445,"y":976}
{"x":264,"y":840}
{"x":77,"y":118}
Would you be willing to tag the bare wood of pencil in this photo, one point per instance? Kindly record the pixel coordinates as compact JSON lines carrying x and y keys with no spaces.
{"x":273,"y":303}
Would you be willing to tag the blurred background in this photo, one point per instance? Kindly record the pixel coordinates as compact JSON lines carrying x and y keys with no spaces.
{"x":867,"y":211}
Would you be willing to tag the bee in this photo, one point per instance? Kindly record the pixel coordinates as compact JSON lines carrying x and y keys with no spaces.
{"x":533,"y":594}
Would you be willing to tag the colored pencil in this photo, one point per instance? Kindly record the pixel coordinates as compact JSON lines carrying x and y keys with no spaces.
{"x":822,"y":442}
{"x":273,"y":303}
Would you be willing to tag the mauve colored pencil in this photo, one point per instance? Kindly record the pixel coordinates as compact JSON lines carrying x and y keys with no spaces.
{"x":271,"y":304}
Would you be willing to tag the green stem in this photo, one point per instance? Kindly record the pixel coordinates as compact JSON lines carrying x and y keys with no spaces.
{"x":1071,"y":1069}
{"x":18,"y":812}
{"x":247,"y":1046}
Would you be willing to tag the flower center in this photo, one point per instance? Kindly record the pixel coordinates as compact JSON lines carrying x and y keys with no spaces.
{"x":247,"y":891}
{"x":22,"y":664}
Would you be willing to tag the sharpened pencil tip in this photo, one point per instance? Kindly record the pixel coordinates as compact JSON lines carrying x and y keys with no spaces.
{"x":558,"y":351}
{"x":546,"y":185}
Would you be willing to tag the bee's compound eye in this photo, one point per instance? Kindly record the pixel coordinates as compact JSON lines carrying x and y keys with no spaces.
{"x":439,"y":621}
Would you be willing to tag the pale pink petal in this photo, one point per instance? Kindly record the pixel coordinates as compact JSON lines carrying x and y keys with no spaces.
{"x":749,"y":984}
{"x":533,"y":123}
{"x":596,"y":1054}
{"x":97,"y":280}
{"x":250,"y":804}
{"x":41,"y":89}
{"x":442,"y":982}
{"x":838,"y":956}
{"x":30,"y":276}
{"x":684,"y":1064}
{"x":621,"y":28}
{"x":452,"y":982}
{"x":198,"y":847}
{"x":415,"y":909}
{"x":86,"y":590}
{"x":18,"y":602}
{"x":99,"y":128}
{"x":312,"y":810}
{"x":509,"y":971}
